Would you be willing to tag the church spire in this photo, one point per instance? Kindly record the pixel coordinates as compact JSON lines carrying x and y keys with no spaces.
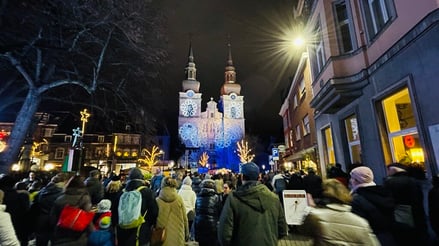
{"x":190,"y":70}
{"x":190,"y":82}
{"x":230,"y":85}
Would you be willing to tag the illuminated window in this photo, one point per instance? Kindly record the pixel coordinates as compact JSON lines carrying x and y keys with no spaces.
{"x":401,"y":128}
{"x":291,"y":138}
{"x":100,"y":139}
{"x":295,"y":104}
{"x":59,"y":153}
{"x":297,"y":132}
{"x":328,"y":146}
{"x":305,"y":123}
{"x":353,"y":138}
{"x":302,"y":89}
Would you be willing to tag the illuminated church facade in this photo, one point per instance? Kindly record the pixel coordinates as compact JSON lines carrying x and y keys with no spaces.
{"x":216,"y":130}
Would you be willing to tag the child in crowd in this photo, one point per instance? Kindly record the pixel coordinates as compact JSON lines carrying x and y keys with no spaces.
{"x":104,"y":209}
{"x":103,"y":235}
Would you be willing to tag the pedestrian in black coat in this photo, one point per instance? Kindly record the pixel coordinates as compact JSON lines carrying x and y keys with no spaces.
{"x":433,"y":206}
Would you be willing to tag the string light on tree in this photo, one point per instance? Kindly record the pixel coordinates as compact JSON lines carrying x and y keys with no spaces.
{"x":150,"y":156}
{"x":244,"y":152}
{"x":204,"y":159}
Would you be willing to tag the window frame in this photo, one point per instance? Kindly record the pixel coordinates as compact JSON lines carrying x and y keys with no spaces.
{"x":345,"y":23}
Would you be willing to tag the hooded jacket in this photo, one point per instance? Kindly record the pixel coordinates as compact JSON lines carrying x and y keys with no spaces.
{"x":128,"y":236}
{"x":252,"y":215}
{"x":172,"y":216}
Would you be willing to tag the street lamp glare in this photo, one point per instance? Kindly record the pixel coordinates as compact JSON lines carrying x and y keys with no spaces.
{"x":299,"y":41}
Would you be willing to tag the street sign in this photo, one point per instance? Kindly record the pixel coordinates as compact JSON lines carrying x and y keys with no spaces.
{"x":275,"y":154}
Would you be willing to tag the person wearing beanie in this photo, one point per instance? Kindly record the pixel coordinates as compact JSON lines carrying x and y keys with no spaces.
{"x":189,"y":197}
{"x":128,"y":236}
{"x":104,"y":210}
{"x":94,"y":186}
{"x":252,"y":214}
{"x":44,"y":202}
{"x":103,"y":235}
{"x":374,"y":203}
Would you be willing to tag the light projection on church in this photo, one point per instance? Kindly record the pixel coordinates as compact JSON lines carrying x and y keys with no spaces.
{"x":189,"y":135}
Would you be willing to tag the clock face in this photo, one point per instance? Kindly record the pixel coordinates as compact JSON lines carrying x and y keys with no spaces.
{"x":188,"y":108}
{"x":190,"y":93}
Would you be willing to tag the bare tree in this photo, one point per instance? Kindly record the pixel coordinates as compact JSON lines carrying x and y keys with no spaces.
{"x":105,"y":54}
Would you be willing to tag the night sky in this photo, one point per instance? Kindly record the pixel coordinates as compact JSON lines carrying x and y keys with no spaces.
{"x":256,"y":30}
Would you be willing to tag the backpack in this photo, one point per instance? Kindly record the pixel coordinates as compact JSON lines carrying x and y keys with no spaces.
{"x":280,"y":185}
{"x":129,"y":209}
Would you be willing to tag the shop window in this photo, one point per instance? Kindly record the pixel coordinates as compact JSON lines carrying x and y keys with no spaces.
{"x":402,"y":132}
{"x":353,"y":138}
{"x":329,"y":154}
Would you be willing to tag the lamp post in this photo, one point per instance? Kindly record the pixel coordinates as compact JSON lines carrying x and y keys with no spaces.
{"x":171,"y":166}
{"x":162,"y":153}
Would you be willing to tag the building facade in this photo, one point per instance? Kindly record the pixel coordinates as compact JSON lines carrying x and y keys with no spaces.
{"x":298,"y":121}
{"x":216,"y":130}
{"x":374,"y":82}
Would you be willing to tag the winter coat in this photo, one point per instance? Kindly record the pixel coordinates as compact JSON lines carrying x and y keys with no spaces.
{"x":433,"y":204}
{"x":75,"y":197}
{"x":17,"y":205}
{"x":189,"y":197}
{"x":172,"y":216}
{"x":128,"y":236}
{"x":156,"y":182}
{"x":95,"y":189}
{"x":406,"y":191}
{"x":335,"y":224}
{"x":44,"y":202}
{"x":102,"y":237}
{"x":252,"y":215}
{"x":114,"y":198}
{"x":7,"y":232}
{"x":196,"y":181}
{"x":207,"y":213}
{"x":376,"y":205}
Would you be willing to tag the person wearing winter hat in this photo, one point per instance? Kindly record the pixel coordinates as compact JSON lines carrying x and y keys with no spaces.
{"x":104,"y":210}
{"x":103,"y":235}
{"x":374,"y":203}
{"x":189,"y":197}
{"x":252,"y":204}
{"x":361,"y":177}
{"x":128,"y":236}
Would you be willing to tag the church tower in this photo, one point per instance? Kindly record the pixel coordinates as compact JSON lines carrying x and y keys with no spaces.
{"x":190,"y":105}
{"x":214,"y":132}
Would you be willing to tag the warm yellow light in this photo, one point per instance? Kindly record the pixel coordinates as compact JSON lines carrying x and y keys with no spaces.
{"x":417,"y":155}
{"x":126,"y":154}
{"x":2,"y":146}
{"x":15,"y":167}
{"x":49,"y":166}
{"x":299,"y":41}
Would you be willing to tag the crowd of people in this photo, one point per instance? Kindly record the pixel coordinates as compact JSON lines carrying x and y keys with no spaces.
{"x":344,"y":208}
